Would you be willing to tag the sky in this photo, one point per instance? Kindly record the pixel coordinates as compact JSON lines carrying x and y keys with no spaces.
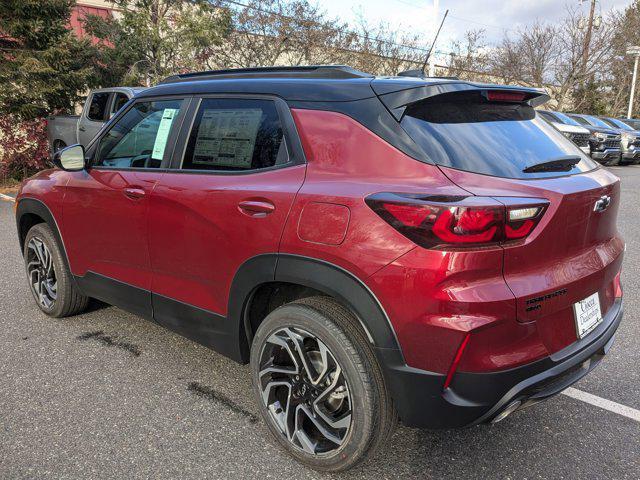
{"x":494,"y":16}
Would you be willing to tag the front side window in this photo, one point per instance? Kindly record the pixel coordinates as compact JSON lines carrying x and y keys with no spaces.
{"x":235,"y":135}
{"x":98,"y":107}
{"x":138,"y":139}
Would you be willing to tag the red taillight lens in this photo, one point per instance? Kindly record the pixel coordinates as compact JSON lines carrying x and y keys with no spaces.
{"x":617,"y":286}
{"x":436,"y":221}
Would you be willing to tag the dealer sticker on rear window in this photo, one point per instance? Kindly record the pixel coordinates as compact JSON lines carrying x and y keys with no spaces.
{"x":588,"y":314}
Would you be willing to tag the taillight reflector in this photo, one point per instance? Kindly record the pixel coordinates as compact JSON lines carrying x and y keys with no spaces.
{"x":456,"y":361}
{"x":436,"y":222}
{"x":617,"y":286}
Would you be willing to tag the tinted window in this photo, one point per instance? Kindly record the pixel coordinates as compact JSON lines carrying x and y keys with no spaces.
{"x":465,"y":131}
{"x":235,"y":135}
{"x":138,"y":139}
{"x":549,"y":117}
{"x":581,"y":121}
{"x":98,"y":107}
{"x":618,"y":124}
{"x":597,"y":122}
{"x":566,"y":119}
{"x":633,"y":123}
{"x":118,"y":102}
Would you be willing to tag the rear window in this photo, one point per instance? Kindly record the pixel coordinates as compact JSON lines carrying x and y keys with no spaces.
{"x":467,"y":132}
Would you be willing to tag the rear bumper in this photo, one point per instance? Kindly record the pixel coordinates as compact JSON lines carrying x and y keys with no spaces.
{"x":479,"y":397}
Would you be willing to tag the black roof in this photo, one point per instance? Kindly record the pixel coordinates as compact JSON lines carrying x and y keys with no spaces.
{"x":319,"y":83}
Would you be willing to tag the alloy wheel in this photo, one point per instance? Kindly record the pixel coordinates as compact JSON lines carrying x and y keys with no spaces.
{"x":42,"y":275}
{"x":305,"y":391}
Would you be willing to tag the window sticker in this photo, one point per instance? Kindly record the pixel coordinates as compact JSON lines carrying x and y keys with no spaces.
{"x":227,"y":137}
{"x":163,"y":133}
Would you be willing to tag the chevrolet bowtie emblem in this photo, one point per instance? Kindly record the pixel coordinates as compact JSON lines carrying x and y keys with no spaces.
{"x":602,"y":203}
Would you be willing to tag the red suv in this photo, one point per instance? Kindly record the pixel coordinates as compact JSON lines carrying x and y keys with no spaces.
{"x":375,"y":248}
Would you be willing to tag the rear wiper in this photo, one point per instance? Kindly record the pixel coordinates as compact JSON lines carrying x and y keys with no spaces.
{"x":560,"y":164}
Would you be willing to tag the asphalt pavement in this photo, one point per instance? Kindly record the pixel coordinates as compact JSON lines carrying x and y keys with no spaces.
{"x":109,"y":395}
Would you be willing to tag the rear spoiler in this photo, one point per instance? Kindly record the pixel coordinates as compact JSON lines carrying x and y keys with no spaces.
{"x":397,"y":102}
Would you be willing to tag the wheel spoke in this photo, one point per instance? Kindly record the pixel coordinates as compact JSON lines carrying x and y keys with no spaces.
{"x":41,"y":272}
{"x":320,"y":425}
{"x":304,"y":390}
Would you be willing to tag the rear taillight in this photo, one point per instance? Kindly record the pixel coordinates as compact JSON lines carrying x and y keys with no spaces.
{"x":459,"y":222}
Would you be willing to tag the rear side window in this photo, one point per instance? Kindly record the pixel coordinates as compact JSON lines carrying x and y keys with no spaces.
{"x":235,"y":135}
{"x":463,"y":130}
{"x":98,"y":107}
{"x":118,"y":102}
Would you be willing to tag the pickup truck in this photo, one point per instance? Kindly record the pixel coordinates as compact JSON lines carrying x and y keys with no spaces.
{"x":99,"y":107}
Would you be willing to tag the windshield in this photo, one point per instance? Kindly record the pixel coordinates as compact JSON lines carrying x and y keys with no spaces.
{"x":619,"y":124}
{"x":566,"y":119}
{"x":632,"y":123}
{"x":596,"y":122}
{"x":581,"y":121}
{"x":465,"y":131}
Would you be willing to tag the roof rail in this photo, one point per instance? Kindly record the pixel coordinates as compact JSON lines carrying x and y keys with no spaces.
{"x":311,"y":71}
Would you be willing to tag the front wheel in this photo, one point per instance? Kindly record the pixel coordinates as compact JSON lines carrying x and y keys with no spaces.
{"x":318,"y":385}
{"x":49,"y":276}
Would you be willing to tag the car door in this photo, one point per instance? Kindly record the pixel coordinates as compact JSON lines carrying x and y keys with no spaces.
{"x":235,"y":174}
{"x":105,"y":207}
{"x":94,"y":115}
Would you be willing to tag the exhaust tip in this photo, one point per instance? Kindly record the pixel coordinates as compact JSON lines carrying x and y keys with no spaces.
{"x":509,"y":409}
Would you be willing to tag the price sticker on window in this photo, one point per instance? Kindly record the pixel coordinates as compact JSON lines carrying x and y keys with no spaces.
{"x":163,"y":133}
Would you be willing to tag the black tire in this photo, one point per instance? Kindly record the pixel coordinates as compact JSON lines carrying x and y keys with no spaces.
{"x":373,"y":417}
{"x":68,"y":300}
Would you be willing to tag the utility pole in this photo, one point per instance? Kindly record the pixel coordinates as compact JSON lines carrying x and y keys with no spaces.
{"x":587,"y":39}
{"x":635,"y":51}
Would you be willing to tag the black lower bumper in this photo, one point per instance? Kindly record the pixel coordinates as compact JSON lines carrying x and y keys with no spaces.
{"x":476,"y":398}
{"x":610,"y":156}
{"x":630,"y":156}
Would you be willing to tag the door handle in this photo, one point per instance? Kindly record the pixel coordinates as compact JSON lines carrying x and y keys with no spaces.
{"x":82,"y":129}
{"x":256,"y":208}
{"x":134,"y":192}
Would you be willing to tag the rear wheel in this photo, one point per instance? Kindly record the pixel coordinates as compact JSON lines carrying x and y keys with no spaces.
{"x":318,"y":385}
{"x":49,"y":276}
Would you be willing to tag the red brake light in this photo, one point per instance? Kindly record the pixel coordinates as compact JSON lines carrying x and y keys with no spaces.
{"x":505,"y":96}
{"x":458,"y":222}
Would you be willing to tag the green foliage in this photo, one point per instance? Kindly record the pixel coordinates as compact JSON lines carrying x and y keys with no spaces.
{"x":151,"y":39}
{"x":43,"y":66}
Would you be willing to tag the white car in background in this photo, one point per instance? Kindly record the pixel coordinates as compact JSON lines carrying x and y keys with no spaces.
{"x":577,"y":134}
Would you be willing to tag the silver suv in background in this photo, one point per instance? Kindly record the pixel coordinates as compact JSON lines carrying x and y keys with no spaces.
{"x":630,"y":140}
{"x":99,"y":107}
{"x":569,"y":128}
{"x":605,"y":141}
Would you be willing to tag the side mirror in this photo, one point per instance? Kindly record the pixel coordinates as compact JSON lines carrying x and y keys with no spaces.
{"x":70,"y":159}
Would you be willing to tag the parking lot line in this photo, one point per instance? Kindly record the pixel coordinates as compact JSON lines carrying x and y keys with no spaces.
{"x":614,"y":407}
{"x":6,"y":198}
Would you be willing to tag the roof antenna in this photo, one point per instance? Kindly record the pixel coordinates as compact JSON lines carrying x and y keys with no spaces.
{"x":435,"y":39}
{"x":421,"y":72}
